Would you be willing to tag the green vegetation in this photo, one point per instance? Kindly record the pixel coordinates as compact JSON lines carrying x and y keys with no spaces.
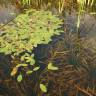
{"x":22,"y":35}
{"x":69,"y":63}
{"x":26,"y":2}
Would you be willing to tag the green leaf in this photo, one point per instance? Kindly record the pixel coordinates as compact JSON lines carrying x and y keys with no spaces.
{"x":19,"y":78}
{"x":22,"y":65}
{"x":25,"y":32}
{"x":43,"y":88}
{"x":51,"y":67}
{"x":36,"y":68}
{"x":29,"y":72}
{"x":32,"y":62}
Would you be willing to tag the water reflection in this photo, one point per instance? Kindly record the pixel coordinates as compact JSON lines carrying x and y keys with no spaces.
{"x":87,"y":24}
{"x":7,"y":12}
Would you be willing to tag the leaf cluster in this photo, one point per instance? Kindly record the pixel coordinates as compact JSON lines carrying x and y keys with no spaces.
{"x":27,"y":31}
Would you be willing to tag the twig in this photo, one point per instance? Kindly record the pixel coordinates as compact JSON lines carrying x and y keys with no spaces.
{"x":82,"y":90}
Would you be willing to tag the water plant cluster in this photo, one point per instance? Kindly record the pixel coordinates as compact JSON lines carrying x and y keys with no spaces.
{"x":22,"y":35}
{"x":68,"y":60}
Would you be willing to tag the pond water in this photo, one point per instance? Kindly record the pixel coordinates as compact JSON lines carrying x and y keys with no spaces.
{"x":87,"y":28}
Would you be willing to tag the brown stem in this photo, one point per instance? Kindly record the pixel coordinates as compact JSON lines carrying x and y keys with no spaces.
{"x":83,"y":91}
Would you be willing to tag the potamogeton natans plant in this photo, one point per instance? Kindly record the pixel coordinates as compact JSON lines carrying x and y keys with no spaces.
{"x":24,"y":33}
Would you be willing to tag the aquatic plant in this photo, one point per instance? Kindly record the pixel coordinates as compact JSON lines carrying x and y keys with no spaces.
{"x":74,"y":61}
{"x":22,"y":35}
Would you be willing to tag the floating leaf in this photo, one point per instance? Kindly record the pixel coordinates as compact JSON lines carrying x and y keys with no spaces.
{"x":22,"y":65}
{"x":14,"y":71}
{"x":19,"y":78}
{"x":29,"y":72}
{"x":51,"y":67}
{"x":32,"y":62}
{"x":43,"y":88}
{"x":36,"y":68}
{"x":28,"y":30}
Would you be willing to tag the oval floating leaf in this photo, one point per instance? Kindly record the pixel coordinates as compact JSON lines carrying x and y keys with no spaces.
{"x":36,"y":68}
{"x":29,"y":72}
{"x":22,"y":65}
{"x":14,"y":71}
{"x":19,"y":78}
{"x":43,"y":88}
{"x":51,"y":67}
{"x":32,"y":62}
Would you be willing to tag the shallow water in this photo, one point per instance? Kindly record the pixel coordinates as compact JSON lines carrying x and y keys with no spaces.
{"x":87,"y":28}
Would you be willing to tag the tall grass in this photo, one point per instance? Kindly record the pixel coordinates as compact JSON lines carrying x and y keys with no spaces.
{"x":59,"y":4}
{"x":28,"y":2}
{"x":85,"y":2}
